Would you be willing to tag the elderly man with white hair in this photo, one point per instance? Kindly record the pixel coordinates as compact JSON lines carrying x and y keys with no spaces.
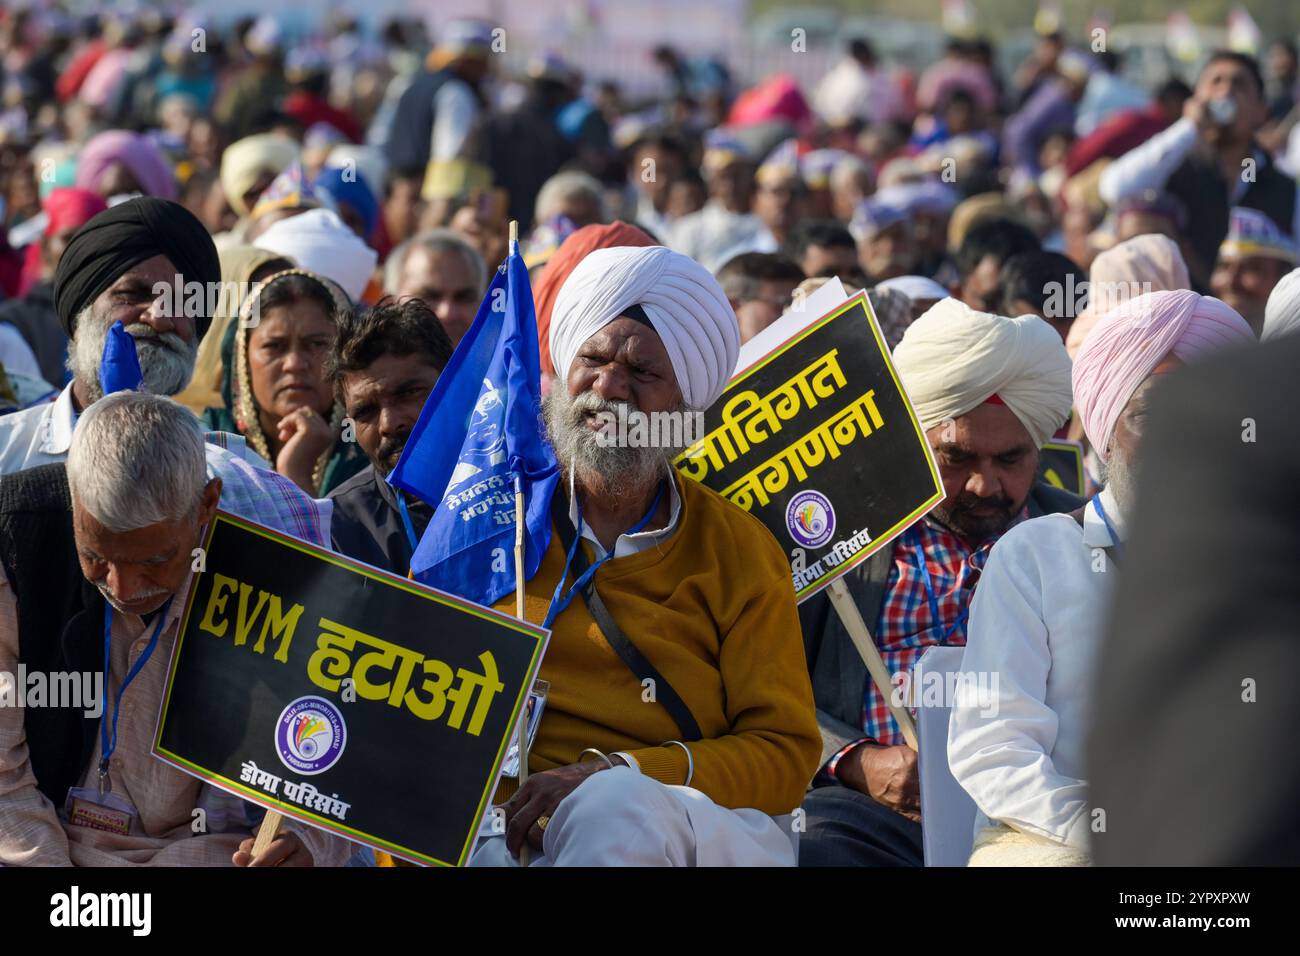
{"x":988,"y":390}
{"x":679,"y":728}
{"x":98,"y":560}
{"x":1036,"y":621}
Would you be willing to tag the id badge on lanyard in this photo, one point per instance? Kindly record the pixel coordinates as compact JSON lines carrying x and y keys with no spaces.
{"x":87,"y":807}
{"x":101,"y":809}
{"x":535,"y":704}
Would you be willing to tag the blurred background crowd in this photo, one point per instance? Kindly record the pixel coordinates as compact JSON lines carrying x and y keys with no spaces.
{"x":914,"y":157}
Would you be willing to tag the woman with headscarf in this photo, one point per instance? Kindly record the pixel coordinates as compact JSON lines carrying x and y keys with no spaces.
{"x":274,"y":388}
{"x":242,"y":267}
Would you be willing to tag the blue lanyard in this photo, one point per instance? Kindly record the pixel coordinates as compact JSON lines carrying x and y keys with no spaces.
{"x":1110,"y":528}
{"x":107,"y":746}
{"x":406,"y":521}
{"x":560,"y":602}
{"x":933,"y":601}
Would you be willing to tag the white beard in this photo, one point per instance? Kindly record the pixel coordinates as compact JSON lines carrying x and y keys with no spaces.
{"x":612,"y":471}
{"x":166,"y":360}
{"x":1121,"y":479}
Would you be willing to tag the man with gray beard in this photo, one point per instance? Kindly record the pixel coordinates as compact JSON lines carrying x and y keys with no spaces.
{"x":679,"y":729}
{"x":1036,"y":620}
{"x":112,"y":271}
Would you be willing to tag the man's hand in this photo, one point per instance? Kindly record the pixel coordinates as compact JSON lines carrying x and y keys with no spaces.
{"x":1194,"y":110}
{"x":540,"y":796}
{"x":287,"y":849}
{"x":886,"y":774}
{"x":305,"y":436}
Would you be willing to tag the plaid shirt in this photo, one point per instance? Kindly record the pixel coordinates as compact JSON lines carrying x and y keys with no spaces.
{"x":259,"y":494}
{"x":906,"y":626}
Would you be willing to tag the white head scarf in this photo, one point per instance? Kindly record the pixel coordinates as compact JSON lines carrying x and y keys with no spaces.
{"x":1282,"y":313}
{"x":953,"y":359}
{"x":682,"y":300}
{"x":320,"y":242}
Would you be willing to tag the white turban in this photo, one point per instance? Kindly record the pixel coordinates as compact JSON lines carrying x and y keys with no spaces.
{"x":320,"y":242}
{"x":953,"y":359}
{"x":1282,"y":313}
{"x":682,"y":300}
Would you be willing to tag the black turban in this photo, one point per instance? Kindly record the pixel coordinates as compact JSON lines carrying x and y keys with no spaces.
{"x":124,"y":236}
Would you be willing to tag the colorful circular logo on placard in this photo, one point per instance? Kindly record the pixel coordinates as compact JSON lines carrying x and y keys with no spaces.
{"x":310,"y":735}
{"x":810,"y":519}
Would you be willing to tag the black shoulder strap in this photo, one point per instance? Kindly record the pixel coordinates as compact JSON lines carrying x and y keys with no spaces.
{"x":623,"y":647}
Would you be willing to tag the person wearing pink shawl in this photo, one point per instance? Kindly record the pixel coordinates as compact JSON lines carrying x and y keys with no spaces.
{"x":119,"y":161}
{"x":1037,"y":618}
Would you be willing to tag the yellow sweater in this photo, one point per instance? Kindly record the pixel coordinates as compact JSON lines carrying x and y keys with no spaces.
{"x":713,"y":609}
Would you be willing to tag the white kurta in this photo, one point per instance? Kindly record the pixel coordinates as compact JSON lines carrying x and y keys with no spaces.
{"x":1035,"y":627}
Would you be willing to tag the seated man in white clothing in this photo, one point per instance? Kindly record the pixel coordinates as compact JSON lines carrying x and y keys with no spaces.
{"x":1036,"y":619}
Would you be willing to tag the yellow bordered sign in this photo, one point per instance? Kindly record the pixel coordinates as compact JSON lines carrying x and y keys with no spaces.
{"x":343,"y":696}
{"x":1061,"y":464}
{"x":819,"y":441}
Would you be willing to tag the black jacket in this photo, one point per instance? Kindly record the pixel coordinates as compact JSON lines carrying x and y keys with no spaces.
{"x":838,"y":673}
{"x":60,"y":618}
{"x":367,"y":525}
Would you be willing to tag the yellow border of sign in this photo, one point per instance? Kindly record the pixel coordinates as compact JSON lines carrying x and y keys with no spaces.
{"x":540,"y":635}
{"x":877,"y":541}
{"x":1076,"y":456}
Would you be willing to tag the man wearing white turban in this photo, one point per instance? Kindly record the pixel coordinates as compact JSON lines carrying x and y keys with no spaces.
{"x":320,"y":242}
{"x":681,"y":300}
{"x":680,"y":727}
{"x":1036,"y":621}
{"x":988,"y":391}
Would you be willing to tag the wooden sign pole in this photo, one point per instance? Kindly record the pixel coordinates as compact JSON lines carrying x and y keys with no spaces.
{"x":267,"y":832}
{"x":847,"y":609}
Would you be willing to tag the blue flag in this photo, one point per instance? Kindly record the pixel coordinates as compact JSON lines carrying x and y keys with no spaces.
{"x":119,"y":366}
{"x":478,"y":434}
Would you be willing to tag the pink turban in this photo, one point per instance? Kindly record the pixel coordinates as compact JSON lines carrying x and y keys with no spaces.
{"x":1147,"y":263}
{"x":1128,"y":343}
{"x":140,"y":156}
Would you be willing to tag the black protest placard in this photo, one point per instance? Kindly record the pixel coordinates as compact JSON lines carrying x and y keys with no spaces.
{"x":819,"y":441}
{"x":1060,"y":464}
{"x":343,"y":696}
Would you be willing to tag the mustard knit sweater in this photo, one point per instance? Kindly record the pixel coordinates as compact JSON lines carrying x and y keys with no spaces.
{"x":713,"y":609}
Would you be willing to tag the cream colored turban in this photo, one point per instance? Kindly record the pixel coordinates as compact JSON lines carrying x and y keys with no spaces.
{"x":245,"y":161}
{"x":953,"y":359}
{"x":682,"y":300}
